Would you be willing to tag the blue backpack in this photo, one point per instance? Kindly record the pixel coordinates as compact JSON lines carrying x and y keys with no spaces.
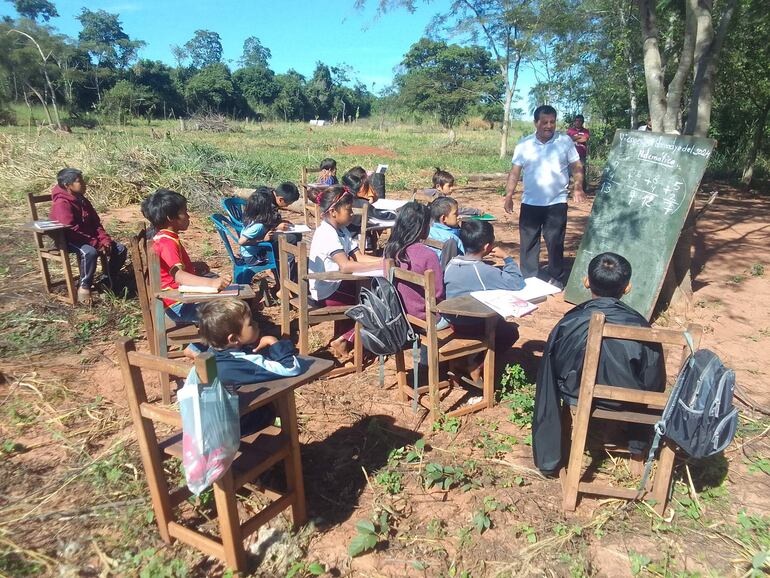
{"x":699,"y":416}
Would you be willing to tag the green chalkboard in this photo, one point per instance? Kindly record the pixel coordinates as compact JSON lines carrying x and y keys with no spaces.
{"x":639,"y":210}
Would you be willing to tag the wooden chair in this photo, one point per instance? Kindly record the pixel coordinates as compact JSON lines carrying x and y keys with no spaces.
{"x":442,"y":345}
{"x":161,"y":332}
{"x":309,"y":207}
{"x":54,"y":250}
{"x":648,"y":411}
{"x":257,"y":453}
{"x":295,"y":295}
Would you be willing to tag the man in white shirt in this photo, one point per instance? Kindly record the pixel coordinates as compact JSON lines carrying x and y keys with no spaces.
{"x":547,"y":157}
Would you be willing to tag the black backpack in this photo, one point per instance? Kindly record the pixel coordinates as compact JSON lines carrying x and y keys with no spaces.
{"x":699,"y":416}
{"x":385,"y":329}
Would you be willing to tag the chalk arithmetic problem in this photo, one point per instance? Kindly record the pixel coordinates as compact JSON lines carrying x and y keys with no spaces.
{"x":646,"y":190}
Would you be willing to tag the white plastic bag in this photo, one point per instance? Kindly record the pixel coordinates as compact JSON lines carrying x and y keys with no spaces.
{"x":211,"y":431}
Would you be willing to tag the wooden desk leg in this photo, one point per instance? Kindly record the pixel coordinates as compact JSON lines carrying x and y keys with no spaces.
{"x":295,"y":483}
{"x":161,"y":346}
{"x":358,"y":349}
{"x":60,"y":241}
{"x":662,"y":482}
{"x":229,"y":525}
{"x":489,"y":362}
{"x":401,"y":383}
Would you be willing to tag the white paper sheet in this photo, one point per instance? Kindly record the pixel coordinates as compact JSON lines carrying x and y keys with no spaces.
{"x":294,"y":229}
{"x":536,"y":290}
{"x":389,"y":204}
{"x":505,"y":303}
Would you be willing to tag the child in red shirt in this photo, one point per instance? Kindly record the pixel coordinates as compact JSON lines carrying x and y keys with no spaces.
{"x":167,"y":212}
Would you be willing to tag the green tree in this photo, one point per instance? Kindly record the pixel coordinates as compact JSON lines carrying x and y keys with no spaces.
{"x":254,"y":54}
{"x":204,"y":49}
{"x":258,"y":85}
{"x":106,"y":41}
{"x":320,"y":91}
{"x":34,"y":9}
{"x":212,"y":89}
{"x":126,"y":100}
{"x":161,"y":92}
{"x":447,"y":79}
{"x":506,"y":28}
{"x":291,"y":102}
{"x":742,"y":98}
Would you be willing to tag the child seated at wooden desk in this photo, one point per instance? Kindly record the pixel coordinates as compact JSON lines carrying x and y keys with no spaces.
{"x":622,"y":362}
{"x":467,"y":273}
{"x":243,"y":355}
{"x":167,"y":212}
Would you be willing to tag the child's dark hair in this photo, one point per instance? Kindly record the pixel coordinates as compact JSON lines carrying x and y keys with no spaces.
{"x":475,"y":234}
{"x":355,"y":179}
{"x":162,"y":206}
{"x":220,"y":318}
{"x":261,"y":209}
{"x":441,"y":207}
{"x":334,"y":197}
{"x":442,"y":178}
{"x":288,"y":192}
{"x":608,"y":275}
{"x":412,"y":225}
{"x":66,"y":177}
{"x":328,"y":164}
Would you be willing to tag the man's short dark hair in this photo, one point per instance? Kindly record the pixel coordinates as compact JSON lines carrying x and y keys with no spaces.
{"x":475,"y":234}
{"x":441,"y":207}
{"x":579,"y":116}
{"x":66,"y":177}
{"x":544,"y":109}
{"x":288,"y":192}
{"x":220,"y":318}
{"x":609,"y":275}
{"x":161,"y":206}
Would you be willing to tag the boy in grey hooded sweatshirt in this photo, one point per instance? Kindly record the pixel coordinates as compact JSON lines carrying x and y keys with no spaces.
{"x":468,"y":272}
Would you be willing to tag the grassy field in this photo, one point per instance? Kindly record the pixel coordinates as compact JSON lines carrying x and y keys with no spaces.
{"x":124,"y":164}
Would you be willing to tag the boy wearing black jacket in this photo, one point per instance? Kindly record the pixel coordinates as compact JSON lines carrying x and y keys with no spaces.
{"x":622,"y":363}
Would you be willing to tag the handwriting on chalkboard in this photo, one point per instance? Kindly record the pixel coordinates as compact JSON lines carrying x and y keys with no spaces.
{"x":645,"y":190}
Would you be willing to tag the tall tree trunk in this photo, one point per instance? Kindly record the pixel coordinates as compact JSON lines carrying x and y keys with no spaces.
{"x":632,"y":101}
{"x":49,"y":85}
{"x":653,"y":71}
{"x":43,"y":102}
{"x":707,"y":49}
{"x":676,"y":86}
{"x":756,"y":145}
{"x":510,"y":90}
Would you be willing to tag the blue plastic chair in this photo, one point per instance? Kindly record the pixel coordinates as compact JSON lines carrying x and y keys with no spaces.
{"x":234,"y":207}
{"x":242,"y":272}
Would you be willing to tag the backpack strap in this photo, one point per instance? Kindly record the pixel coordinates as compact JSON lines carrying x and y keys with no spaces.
{"x":415,"y":370}
{"x":660,"y":426}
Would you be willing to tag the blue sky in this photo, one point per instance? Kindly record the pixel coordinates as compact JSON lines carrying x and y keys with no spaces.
{"x":298,"y":33}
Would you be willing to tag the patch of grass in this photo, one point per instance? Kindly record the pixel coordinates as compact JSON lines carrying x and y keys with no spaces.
{"x":518,"y":394}
{"x":15,"y":564}
{"x":29,"y":332}
{"x":447,"y":477}
{"x":757,"y":270}
{"x":447,"y":424}
{"x":737,"y":279}
{"x":391,"y":482}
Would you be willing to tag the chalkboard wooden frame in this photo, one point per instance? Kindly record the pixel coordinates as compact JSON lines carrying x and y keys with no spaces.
{"x":647,"y":188}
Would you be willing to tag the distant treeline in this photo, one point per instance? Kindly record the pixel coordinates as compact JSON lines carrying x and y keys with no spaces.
{"x":99,"y":72}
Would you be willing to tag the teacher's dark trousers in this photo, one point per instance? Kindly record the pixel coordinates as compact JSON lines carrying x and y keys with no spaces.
{"x":551,"y":221}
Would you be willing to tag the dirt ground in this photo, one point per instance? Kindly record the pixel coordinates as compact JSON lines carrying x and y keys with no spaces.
{"x":72,"y":494}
